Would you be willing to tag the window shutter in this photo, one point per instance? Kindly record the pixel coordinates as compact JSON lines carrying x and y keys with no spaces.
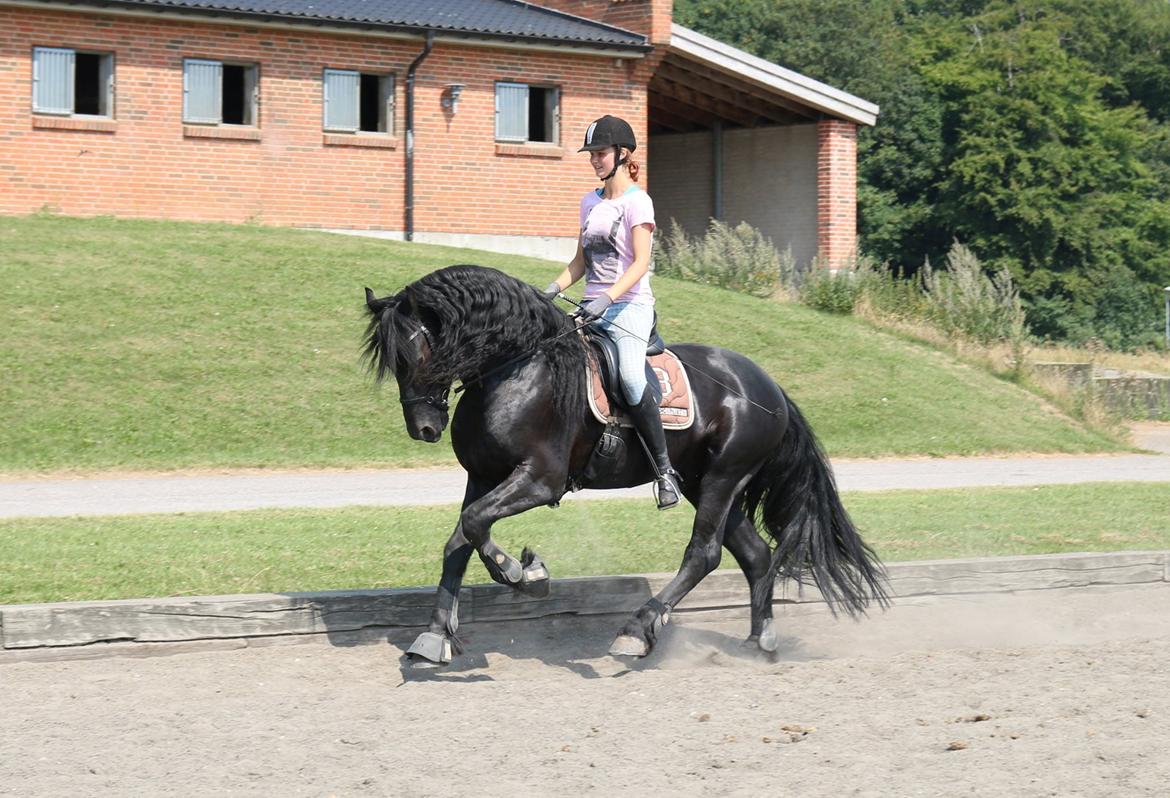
{"x":511,"y":112}
{"x":202,"y":91}
{"x":342,"y":94}
{"x":53,"y":70}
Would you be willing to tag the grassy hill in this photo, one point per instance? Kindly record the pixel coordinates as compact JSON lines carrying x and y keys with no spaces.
{"x":156,"y":345}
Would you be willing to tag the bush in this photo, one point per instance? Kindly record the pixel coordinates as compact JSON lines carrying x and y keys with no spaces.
{"x":738,"y":258}
{"x":966,"y":301}
{"x":831,"y":291}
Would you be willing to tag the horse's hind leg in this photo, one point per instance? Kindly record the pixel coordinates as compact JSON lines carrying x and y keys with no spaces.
{"x":755,"y":559}
{"x":714,"y":501}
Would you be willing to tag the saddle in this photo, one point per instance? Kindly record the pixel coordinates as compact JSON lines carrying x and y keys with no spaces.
{"x":664,"y":374}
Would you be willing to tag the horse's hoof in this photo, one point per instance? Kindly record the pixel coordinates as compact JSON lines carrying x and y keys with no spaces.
{"x":769,"y":641}
{"x":429,"y":650}
{"x":537,"y":588}
{"x":418,"y":663}
{"x":628,"y":646}
{"x":535,"y":581}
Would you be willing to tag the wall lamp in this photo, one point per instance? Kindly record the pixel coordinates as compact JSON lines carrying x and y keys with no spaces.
{"x":450,"y":99}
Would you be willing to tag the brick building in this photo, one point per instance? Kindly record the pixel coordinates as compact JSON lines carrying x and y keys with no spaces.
{"x":442,"y":121}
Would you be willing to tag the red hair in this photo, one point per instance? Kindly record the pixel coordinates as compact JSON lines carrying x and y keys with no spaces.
{"x":633,"y":166}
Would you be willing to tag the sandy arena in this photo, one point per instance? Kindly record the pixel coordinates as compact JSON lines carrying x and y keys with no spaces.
{"x":1045,"y":693}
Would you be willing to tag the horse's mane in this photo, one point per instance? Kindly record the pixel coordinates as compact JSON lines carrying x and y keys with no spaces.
{"x":478,"y":319}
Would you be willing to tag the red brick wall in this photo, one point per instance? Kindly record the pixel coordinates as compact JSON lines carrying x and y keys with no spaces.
{"x":651,"y":18}
{"x":143,"y":164}
{"x":836,"y":191}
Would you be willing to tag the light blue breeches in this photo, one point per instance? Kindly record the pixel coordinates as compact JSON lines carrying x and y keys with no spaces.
{"x":628,"y":325}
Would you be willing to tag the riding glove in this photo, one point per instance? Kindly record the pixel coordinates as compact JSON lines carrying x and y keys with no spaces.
{"x":552,"y":291}
{"x":592,"y":310}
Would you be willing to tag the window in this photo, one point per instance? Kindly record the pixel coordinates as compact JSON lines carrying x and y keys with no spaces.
{"x":527,"y":113}
{"x":357,"y":102}
{"x":72,"y":83}
{"x":215,"y":93}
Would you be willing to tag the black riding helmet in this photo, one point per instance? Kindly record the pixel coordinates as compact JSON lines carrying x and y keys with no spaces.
{"x":610,"y":131}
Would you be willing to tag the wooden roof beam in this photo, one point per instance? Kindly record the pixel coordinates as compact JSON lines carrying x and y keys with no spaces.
{"x":713,"y":81}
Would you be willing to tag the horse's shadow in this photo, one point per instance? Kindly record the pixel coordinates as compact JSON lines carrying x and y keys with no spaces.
{"x":579,"y":645}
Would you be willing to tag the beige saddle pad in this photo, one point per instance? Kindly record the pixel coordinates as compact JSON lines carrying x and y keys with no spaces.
{"x":676,"y":407}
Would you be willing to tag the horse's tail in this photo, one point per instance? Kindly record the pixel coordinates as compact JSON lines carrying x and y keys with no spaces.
{"x":795,"y":499}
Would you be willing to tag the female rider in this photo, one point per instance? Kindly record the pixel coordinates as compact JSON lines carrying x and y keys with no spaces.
{"x":613,"y":252}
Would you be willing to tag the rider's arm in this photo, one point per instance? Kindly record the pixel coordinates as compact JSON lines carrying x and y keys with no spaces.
{"x":574,"y":271}
{"x":642,"y":236}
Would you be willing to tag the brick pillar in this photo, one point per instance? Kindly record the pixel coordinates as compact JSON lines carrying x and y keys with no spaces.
{"x":836,"y":192}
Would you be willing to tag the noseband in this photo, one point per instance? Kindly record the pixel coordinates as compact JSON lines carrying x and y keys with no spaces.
{"x":439,"y":402}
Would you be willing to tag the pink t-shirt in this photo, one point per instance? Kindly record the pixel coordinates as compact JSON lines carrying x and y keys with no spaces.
{"x":607,"y":238}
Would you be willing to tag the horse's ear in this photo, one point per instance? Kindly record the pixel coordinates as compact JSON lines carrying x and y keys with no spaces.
{"x":376,"y":305}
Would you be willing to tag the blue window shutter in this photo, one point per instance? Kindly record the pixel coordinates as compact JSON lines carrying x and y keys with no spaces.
{"x":53,"y":70}
{"x":342,"y":90}
{"x":202,"y":91}
{"x":511,"y":112}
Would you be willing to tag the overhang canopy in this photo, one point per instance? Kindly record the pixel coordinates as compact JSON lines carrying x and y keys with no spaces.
{"x":702,"y":82}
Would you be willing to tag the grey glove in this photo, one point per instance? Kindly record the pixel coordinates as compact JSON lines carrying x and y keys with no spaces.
{"x":592,"y":310}
{"x":552,"y":291}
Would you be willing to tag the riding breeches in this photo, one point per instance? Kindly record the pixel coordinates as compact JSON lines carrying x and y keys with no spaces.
{"x":628,"y":324}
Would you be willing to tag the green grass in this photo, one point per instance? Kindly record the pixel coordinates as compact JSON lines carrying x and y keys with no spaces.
{"x":158,"y":345}
{"x":291,"y":551}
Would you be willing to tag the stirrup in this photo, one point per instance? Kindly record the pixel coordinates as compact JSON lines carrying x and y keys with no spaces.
{"x":670,"y":480}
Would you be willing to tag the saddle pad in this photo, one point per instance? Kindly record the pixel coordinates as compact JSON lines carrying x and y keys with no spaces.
{"x":677,"y":406}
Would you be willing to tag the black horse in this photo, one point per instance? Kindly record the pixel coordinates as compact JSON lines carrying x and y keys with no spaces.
{"x":522,"y":431}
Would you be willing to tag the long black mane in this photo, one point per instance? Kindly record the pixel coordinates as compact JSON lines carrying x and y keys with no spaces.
{"x":478,"y":318}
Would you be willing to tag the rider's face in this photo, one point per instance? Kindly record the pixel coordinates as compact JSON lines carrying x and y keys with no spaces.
{"x":602,"y":161}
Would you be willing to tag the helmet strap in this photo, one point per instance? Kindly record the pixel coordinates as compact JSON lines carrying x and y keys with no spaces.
{"x":617,"y":161}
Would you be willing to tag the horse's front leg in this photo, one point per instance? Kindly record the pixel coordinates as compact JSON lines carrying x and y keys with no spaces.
{"x":438,"y":644}
{"x":519,"y":492}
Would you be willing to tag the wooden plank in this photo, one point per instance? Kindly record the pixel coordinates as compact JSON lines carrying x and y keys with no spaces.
{"x":168,"y":620}
{"x":1042,"y":572}
{"x":25,"y":627}
{"x":598,"y":595}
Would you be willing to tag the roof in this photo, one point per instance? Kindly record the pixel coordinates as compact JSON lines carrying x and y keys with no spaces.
{"x":724,"y":58}
{"x":508,"y":20}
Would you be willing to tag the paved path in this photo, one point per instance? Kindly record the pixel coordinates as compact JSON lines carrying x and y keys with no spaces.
{"x":168,"y":494}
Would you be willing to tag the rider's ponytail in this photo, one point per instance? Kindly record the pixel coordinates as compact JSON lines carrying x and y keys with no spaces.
{"x":633,"y":167}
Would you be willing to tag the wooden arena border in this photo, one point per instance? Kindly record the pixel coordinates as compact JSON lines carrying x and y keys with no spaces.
{"x":101,"y":628}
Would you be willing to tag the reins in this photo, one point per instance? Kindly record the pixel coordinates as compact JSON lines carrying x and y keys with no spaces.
{"x":517,"y":359}
{"x":579,"y":306}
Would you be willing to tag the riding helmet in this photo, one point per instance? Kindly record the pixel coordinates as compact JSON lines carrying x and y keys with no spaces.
{"x":609,"y":131}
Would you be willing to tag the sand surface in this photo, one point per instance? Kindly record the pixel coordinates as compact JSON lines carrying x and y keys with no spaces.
{"x":1061,"y":692}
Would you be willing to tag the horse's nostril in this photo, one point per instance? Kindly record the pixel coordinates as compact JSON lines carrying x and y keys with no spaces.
{"x":428,"y":433}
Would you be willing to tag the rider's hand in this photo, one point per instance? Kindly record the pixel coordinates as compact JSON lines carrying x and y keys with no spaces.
{"x":592,"y":310}
{"x":552,"y":291}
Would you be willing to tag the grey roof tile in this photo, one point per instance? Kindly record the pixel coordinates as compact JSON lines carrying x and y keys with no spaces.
{"x":509,"y":19}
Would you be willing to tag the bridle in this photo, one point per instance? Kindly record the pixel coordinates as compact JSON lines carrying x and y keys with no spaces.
{"x":434,"y":400}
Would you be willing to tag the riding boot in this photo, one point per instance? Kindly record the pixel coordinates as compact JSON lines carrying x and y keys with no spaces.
{"x":649,"y":426}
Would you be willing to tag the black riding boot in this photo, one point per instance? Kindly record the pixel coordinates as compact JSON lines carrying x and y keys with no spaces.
{"x":649,"y":425}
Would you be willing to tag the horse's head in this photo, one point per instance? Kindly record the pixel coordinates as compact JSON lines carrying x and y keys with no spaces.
{"x":401,"y":340}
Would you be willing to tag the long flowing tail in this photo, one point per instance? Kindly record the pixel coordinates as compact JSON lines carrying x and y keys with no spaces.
{"x":795,"y":499}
